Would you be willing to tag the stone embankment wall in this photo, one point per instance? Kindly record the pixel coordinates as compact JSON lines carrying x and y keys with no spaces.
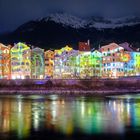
{"x":89,"y":84}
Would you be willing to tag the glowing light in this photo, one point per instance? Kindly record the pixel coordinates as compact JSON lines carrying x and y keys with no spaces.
{"x":126,"y":57}
{"x":20,"y":61}
{"x":38,"y":65}
{"x":5,"y":64}
{"x":19,"y":106}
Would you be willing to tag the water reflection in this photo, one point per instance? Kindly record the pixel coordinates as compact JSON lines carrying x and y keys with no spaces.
{"x":68,"y":116}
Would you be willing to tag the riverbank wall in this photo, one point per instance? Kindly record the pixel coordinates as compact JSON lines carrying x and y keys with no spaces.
{"x":71,"y":86}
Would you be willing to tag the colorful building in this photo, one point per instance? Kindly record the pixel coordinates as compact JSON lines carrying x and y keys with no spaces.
{"x":90,"y":64}
{"x":131,"y":63}
{"x":57,"y":73}
{"x":73,"y":62}
{"x":110,"y":61}
{"x":128,"y":60}
{"x":5,"y":62}
{"x":137,"y":63}
{"x":61,"y":63}
{"x":85,"y":64}
{"x":112,"y":65}
{"x":49,"y":63}
{"x":20,"y":61}
{"x":66,"y":67}
{"x":96,"y":62}
{"x":38,"y":63}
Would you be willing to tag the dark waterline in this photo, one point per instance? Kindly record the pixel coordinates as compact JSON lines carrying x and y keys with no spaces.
{"x":59,"y":117}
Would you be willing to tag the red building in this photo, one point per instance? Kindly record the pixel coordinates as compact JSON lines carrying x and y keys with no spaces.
{"x":84,"y":46}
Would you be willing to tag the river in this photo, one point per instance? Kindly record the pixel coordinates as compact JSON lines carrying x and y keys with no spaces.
{"x":61,"y":117}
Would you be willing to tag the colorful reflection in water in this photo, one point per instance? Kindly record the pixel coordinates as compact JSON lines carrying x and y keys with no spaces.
{"x":85,"y":115}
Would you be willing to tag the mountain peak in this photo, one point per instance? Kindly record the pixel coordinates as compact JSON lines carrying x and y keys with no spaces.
{"x":58,"y":30}
{"x":93,"y":22}
{"x":66,"y":20}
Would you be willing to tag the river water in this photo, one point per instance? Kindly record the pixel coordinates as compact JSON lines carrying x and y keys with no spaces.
{"x":59,"y":117}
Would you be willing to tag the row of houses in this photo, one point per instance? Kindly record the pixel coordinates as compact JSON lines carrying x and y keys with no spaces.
{"x":110,"y":61}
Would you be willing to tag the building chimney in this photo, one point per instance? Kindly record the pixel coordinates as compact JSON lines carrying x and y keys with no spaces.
{"x":88,"y":42}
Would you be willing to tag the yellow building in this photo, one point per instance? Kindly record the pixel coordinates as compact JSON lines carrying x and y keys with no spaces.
{"x":49,"y":63}
{"x":20,"y":61}
{"x":5,"y":62}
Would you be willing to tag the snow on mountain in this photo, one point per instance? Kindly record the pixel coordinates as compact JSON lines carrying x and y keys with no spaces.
{"x":68,"y":20}
{"x":115,"y":22}
{"x":96,"y":22}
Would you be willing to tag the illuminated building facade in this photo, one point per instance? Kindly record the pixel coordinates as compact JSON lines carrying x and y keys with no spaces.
{"x":61,"y":63}
{"x":132,"y":64}
{"x":137,"y":63}
{"x":38,"y":63}
{"x":96,"y":62}
{"x":128,"y":60}
{"x":110,"y":61}
{"x":85,"y":64}
{"x":73,"y":62}
{"x":90,"y":64}
{"x":120,"y":60}
{"x":20,"y":61}
{"x":66,"y":67}
{"x":112,"y":65}
{"x":49,"y":63}
{"x":5,"y":62}
{"x":57,"y":73}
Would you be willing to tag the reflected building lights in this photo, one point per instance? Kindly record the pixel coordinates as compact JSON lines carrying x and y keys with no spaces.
{"x":82,"y":109}
{"x":128,"y":108}
{"x":19,"y":106}
{"x":36,"y":120}
{"x":66,"y":117}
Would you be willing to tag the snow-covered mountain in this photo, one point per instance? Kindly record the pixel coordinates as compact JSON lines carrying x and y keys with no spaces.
{"x":96,"y":22}
{"x":67,"y":20}
{"x":114,"y":22}
{"x":57,"y":30}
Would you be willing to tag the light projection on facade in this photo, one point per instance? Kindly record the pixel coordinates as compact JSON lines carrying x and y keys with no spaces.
{"x":96,"y":63}
{"x":137,"y":63}
{"x":73,"y":64}
{"x":90,"y":64}
{"x":112,"y":65}
{"x":128,"y":65}
{"x":57,"y":64}
{"x":126,"y":57}
{"x":61,"y":60}
{"x":85,"y":64}
{"x":5,"y":62}
{"x":110,"y":61}
{"x":49,"y":63}
{"x":38,"y":63}
{"x":20,"y":61}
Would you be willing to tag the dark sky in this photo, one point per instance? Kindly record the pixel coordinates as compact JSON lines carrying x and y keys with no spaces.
{"x":16,"y":12}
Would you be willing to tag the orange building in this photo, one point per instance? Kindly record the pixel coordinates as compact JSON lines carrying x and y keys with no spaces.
{"x":49,"y":63}
{"x":5,"y":62}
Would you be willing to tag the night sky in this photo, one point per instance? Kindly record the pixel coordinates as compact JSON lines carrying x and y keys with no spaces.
{"x":14,"y":13}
